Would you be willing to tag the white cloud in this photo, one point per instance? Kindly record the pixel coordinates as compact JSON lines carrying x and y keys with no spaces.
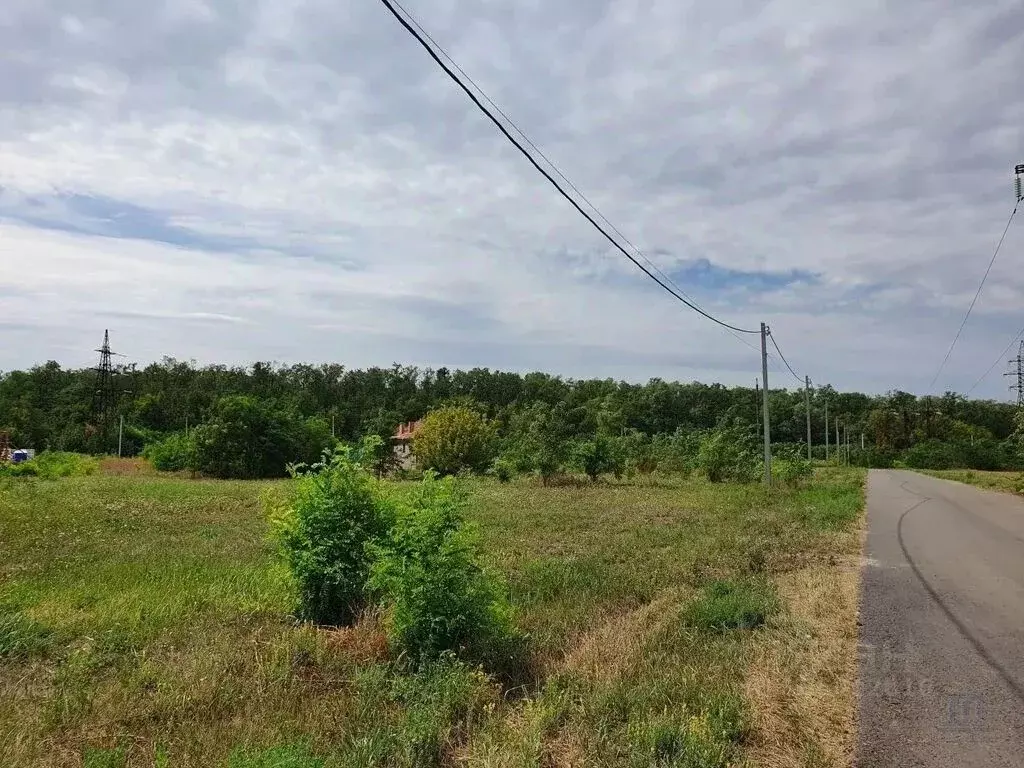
{"x":311,"y":149}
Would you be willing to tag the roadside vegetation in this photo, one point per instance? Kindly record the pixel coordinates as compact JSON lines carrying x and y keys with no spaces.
{"x":335,"y":619}
{"x":1007,"y":482}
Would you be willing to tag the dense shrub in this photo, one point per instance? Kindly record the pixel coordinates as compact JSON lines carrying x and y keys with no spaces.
{"x":677,"y":453}
{"x":728,"y":453}
{"x":504,"y":469}
{"x":52,"y":465}
{"x":24,"y":469}
{"x":934,"y":454}
{"x":597,"y":457}
{"x":174,"y":453}
{"x":436,"y":596}
{"x":250,"y":438}
{"x":792,"y":471}
{"x":324,"y":536}
{"x":455,"y":439}
{"x":874,"y":458}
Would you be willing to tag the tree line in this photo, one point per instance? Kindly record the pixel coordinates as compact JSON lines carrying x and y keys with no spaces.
{"x":304,"y":407}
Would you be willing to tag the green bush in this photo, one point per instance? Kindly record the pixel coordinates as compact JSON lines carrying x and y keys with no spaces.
{"x":725,"y":605}
{"x":596,"y":457}
{"x":324,"y":536}
{"x":934,"y":454}
{"x":792,"y":471}
{"x":174,"y":453}
{"x":728,"y":453}
{"x":504,"y":469}
{"x":24,"y":469}
{"x":454,"y":439}
{"x":874,"y":458}
{"x":248,"y":438}
{"x":436,"y":596}
{"x":52,"y":465}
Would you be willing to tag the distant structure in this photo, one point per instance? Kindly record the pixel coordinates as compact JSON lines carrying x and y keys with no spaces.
{"x":1018,"y":184}
{"x":104,"y":397}
{"x":1018,"y":361}
{"x":402,"y":440}
{"x":21,"y":455}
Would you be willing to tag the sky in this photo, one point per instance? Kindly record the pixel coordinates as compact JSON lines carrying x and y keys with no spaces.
{"x":296,"y":181}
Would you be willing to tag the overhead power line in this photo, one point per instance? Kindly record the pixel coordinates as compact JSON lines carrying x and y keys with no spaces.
{"x":776,"y":345}
{"x":996,"y":361}
{"x":678,"y":295}
{"x":440,"y":49}
{"x":554,"y":166}
{"x":976,"y":295}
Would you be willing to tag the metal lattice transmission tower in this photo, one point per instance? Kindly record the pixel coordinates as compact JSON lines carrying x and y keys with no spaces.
{"x":1018,"y":361}
{"x":104,"y":399}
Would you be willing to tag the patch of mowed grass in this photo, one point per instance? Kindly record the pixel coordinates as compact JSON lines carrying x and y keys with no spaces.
{"x":158,"y":620}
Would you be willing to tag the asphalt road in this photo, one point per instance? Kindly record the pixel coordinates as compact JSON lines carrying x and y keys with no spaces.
{"x":942,"y":625}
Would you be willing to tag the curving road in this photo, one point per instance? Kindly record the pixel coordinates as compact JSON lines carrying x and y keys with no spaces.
{"x":942,"y":625}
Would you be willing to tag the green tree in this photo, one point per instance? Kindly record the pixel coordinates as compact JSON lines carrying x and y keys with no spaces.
{"x":454,"y":439}
{"x":249,"y":438}
{"x":597,"y":457}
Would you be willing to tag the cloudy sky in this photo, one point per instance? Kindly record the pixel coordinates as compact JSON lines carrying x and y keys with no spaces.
{"x":295,"y":180}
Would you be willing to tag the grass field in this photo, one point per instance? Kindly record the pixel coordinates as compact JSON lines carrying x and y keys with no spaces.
{"x":1008,"y":482}
{"x":143,"y":621}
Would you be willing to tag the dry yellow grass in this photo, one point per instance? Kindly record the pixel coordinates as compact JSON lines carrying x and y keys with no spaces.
{"x":801,"y":682}
{"x":604,"y":653}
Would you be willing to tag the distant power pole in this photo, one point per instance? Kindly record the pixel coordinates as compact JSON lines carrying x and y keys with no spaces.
{"x":1019,"y":373}
{"x":767,"y":421}
{"x":807,"y":402}
{"x":826,"y":430}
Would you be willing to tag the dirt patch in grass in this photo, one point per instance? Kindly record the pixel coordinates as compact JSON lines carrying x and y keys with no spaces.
{"x":135,"y":467}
